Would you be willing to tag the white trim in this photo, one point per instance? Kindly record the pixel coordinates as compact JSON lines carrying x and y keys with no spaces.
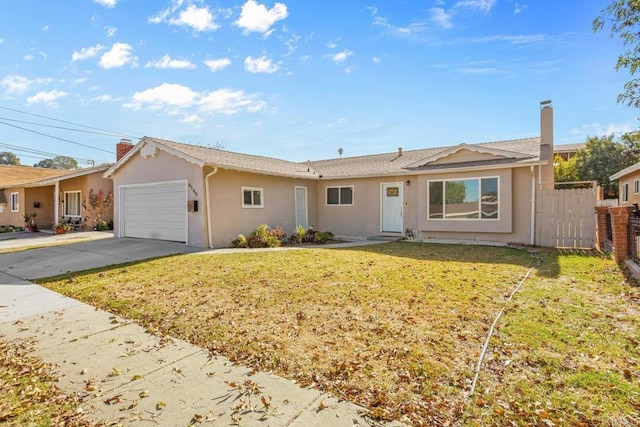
{"x":636,"y":186}
{"x":64,"y":208}
{"x":209,"y":224}
{"x":15,"y":207}
{"x":326,"y":195}
{"x":498,"y":153}
{"x":147,"y":184}
{"x":252,"y":205}
{"x":479,"y":201}
{"x":306,"y":204}
{"x":624,"y":196}
{"x":625,"y":171}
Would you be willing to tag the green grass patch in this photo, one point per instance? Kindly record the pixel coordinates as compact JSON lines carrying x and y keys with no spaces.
{"x":399,"y":327}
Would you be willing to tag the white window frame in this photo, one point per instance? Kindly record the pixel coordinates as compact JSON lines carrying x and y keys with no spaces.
{"x":625,"y":192}
{"x":479,"y":179}
{"x":66,"y":204}
{"x":253,"y":205}
{"x":15,"y":202}
{"x":340,"y":187}
{"x":636,"y":186}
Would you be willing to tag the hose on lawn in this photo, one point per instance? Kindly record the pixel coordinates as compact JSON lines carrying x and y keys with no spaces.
{"x":491,"y":329}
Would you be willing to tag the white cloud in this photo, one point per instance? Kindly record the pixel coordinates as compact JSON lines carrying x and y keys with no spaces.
{"x":598,"y":129}
{"x":107,"y":3}
{"x":167,"y":62}
{"x":15,"y":84}
{"x":513,"y":39}
{"x":440,"y":17}
{"x":103,"y":98}
{"x":193,"y":119}
{"x":165,"y":95}
{"x":87,"y":52}
{"x":118,"y":56}
{"x":406,"y":31}
{"x":45,"y":28}
{"x":260,"y":65}
{"x":111,"y":31}
{"x":28,"y":57}
{"x":341,"y":56}
{"x":1,"y":40}
{"x":484,"y":5}
{"x":217,"y":64}
{"x":376,"y":60}
{"x":256,"y":17}
{"x":519,"y":8}
{"x":332,"y":45}
{"x":47,"y":98}
{"x":197,"y":18}
{"x":176,"y":99}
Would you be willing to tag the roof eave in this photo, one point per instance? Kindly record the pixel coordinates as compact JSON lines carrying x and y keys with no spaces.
{"x":626,"y":171}
{"x":261,"y":172}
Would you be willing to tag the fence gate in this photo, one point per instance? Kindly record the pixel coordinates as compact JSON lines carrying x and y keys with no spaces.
{"x":566,"y":218}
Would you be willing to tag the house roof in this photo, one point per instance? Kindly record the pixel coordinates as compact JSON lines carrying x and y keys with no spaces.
{"x":26,"y":176}
{"x":626,"y":171}
{"x":520,"y":152}
{"x":568,"y":148}
{"x":18,"y":176}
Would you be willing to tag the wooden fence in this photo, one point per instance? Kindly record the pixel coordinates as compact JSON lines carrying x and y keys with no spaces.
{"x":566,"y":218}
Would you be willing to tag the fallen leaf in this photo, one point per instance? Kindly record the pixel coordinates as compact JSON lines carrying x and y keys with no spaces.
{"x":160,"y":405}
{"x":321,"y":406}
{"x":144,"y":393}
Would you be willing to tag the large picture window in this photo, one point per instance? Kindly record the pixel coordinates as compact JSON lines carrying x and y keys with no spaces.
{"x":464,"y":199}
{"x":72,"y":204}
{"x":15,"y":202}
{"x":340,"y":195}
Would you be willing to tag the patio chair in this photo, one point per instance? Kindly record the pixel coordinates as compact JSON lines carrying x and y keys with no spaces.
{"x":75,"y":223}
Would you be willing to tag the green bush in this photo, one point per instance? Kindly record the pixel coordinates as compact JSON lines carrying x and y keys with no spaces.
{"x":322,"y":237}
{"x":265,"y":237}
{"x":240,"y":242}
{"x":102,"y":226}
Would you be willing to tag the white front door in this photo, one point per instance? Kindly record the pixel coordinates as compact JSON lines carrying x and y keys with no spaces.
{"x":392,"y":202}
{"x":301,"y":207}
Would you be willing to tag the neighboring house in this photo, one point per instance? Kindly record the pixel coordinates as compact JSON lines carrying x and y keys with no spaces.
{"x":206,"y":197}
{"x":54,"y":195}
{"x":628,"y":185}
{"x":567,"y":151}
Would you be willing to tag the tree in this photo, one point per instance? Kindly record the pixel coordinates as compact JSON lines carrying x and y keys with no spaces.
{"x":600,"y":158}
{"x":58,"y":162}
{"x":623,"y":18}
{"x":99,"y":203}
{"x":565,"y":170}
{"x":8,"y":158}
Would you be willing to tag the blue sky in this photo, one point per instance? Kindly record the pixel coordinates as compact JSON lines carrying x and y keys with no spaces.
{"x":299,"y":79}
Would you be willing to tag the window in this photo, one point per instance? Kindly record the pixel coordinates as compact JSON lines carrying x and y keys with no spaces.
{"x":625,"y":192}
{"x":72,"y":204}
{"x":340,"y":195}
{"x":252,"y":197}
{"x":15,"y":202}
{"x":464,"y":199}
{"x":636,"y":186}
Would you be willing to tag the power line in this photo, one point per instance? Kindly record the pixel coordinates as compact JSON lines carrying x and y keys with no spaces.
{"x":41,"y":153}
{"x":65,"y":128}
{"x":63,"y":121}
{"x":55,"y":137}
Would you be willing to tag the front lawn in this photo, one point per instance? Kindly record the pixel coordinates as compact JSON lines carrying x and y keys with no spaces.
{"x":399,"y":327}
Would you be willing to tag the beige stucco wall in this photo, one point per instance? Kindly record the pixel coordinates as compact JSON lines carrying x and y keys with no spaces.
{"x":633,"y":196}
{"x":229,"y":218}
{"x":162,"y":168}
{"x":513,"y":225}
{"x":363,"y":218}
{"x":44,"y":196}
{"x":13,"y":218}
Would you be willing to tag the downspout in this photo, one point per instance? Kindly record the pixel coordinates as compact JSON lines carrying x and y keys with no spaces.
{"x":533,"y":206}
{"x":56,"y":203}
{"x":208,"y":202}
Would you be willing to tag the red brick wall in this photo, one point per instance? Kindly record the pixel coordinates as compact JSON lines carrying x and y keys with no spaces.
{"x":601,"y":226}
{"x":619,"y":224}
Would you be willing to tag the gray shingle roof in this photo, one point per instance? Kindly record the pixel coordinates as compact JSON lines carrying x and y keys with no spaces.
{"x":512,"y":152}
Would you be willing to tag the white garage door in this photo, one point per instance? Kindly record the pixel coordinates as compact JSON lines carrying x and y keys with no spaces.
{"x":155,"y":211}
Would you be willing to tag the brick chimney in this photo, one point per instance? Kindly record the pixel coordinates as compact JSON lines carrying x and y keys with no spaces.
{"x":122,"y":148}
{"x":546,"y":145}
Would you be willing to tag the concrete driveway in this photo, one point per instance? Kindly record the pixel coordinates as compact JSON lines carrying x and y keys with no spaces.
{"x":54,"y":260}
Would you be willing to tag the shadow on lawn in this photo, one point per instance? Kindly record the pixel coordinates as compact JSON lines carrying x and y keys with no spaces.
{"x":545,"y":260}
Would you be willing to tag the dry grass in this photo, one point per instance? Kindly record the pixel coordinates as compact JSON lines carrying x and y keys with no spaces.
{"x":399,"y":327}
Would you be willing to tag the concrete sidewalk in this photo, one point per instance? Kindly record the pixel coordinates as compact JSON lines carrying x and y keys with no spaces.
{"x":135,"y":378}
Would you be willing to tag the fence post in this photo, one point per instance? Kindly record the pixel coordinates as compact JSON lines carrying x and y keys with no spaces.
{"x":601,"y":226}
{"x":620,"y":226}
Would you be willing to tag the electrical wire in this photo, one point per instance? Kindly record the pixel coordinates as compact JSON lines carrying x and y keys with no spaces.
{"x":56,"y":137}
{"x":65,"y":128}
{"x":15,"y":148}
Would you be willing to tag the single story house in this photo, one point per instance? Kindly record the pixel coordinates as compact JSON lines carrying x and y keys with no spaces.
{"x":54,"y":195}
{"x":628,"y":185}
{"x":205,"y":197}
{"x":567,"y":151}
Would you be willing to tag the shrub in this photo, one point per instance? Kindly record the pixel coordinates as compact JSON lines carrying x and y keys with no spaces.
{"x":102,"y":226}
{"x":299,"y":235}
{"x":265,"y":237}
{"x":240,"y":242}
{"x":322,"y":237}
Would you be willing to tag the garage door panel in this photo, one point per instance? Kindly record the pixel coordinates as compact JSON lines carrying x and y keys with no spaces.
{"x":156,"y":211}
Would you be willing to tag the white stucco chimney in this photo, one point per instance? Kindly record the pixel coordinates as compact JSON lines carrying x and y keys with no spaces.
{"x":546,"y":145}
